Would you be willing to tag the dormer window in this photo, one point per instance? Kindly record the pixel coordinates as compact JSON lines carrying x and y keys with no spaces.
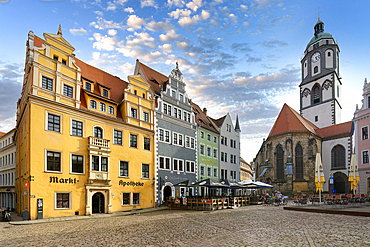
{"x":105,"y":93}
{"x":64,"y":61}
{"x":55,"y":58}
{"x":88,"y":86}
{"x":135,"y":92}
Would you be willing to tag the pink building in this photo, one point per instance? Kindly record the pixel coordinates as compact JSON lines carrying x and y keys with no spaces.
{"x":362,"y":141}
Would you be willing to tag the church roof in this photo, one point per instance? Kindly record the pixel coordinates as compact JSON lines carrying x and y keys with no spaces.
{"x":319,"y":33}
{"x":290,"y":121}
{"x":336,"y":131}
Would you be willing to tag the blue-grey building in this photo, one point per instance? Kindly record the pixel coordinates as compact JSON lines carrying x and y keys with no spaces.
{"x":176,"y":134}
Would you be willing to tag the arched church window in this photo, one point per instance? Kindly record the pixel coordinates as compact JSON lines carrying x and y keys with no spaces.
{"x":316,"y":94}
{"x":298,"y":162}
{"x":338,"y":157}
{"x":316,"y":69}
{"x":279,"y":162}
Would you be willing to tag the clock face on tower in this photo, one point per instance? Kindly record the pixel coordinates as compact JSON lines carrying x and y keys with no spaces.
{"x":315,"y":57}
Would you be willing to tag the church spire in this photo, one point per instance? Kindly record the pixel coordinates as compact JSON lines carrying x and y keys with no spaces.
{"x":237,"y":126}
{"x":60,"y":30}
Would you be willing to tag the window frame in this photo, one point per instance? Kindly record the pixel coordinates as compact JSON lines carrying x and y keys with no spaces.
{"x":131,"y":135}
{"x":56,"y":200}
{"x":165,"y":158}
{"x":142,"y":171}
{"x":128,"y":169}
{"x":102,"y":107}
{"x":71,"y":127}
{"x":367,"y":132}
{"x":69,"y":88}
{"x":48,"y":80}
{"x":146,"y":138}
{"x":71,"y":163}
{"x":93,"y":104}
{"x":60,"y":160}
{"x":110,"y":110}
{"x":116,"y":137}
{"x":47,"y":121}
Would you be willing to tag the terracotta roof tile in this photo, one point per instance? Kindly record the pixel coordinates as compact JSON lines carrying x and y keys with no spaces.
{"x":116,"y":84}
{"x":202,"y":119}
{"x":2,"y":133}
{"x":154,"y":78}
{"x":291,"y":121}
{"x":219,"y":121}
{"x":336,"y":131}
{"x":37,"y":41}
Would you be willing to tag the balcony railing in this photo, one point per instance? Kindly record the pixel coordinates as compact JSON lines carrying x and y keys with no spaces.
{"x":98,"y":142}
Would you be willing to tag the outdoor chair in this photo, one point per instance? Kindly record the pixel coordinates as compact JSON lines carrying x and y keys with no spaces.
{"x":329,"y":200}
{"x":296,"y":200}
{"x":350,"y":198}
{"x":367,"y":198}
{"x":359,"y":198}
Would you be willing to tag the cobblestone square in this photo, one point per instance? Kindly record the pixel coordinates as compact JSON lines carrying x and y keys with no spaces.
{"x":246,"y":226}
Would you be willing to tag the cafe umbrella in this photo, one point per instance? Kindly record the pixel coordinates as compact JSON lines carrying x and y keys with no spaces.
{"x":319,"y":175}
{"x":353,"y":174}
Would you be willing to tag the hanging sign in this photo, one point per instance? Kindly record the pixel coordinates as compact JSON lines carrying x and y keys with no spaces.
{"x":26,"y":184}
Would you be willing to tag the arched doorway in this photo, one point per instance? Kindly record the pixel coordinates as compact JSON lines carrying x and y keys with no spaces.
{"x":167,"y":192}
{"x":340,"y":181}
{"x":98,"y":203}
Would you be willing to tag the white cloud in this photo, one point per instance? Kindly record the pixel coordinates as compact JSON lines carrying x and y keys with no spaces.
{"x":155,"y":26}
{"x":233,"y":18}
{"x":135,"y":22}
{"x":177,"y":3}
{"x":166,"y":47}
{"x":96,"y":55}
{"x":243,"y":7}
{"x":104,"y":42}
{"x":148,"y":3}
{"x":79,"y":31}
{"x":180,"y":12}
{"x":141,"y":39}
{"x":98,"y":12}
{"x":112,"y":32}
{"x":120,"y":2}
{"x":194,"y":5}
{"x":205,"y":14}
{"x":129,"y":9}
{"x":182,"y":45}
{"x":127,"y":68}
{"x":111,"y":6}
{"x":104,"y":24}
{"x":183,"y":21}
{"x":246,"y":24}
{"x":169,"y":36}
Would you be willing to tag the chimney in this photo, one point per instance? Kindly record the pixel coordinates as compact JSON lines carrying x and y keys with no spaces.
{"x":205,"y":111}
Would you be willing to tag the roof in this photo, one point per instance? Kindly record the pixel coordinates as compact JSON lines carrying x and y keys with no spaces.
{"x":37,"y":41}
{"x":291,"y":121}
{"x":320,"y":34}
{"x":336,"y":131}
{"x":219,"y":121}
{"x":2,"y":133}
{"x":116,"y":85}
{"x":202,"y":119}
{"x":155,"y":79}
{"x":237,"y":127}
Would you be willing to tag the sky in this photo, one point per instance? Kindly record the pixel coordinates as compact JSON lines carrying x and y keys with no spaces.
{"x":237,"y":57}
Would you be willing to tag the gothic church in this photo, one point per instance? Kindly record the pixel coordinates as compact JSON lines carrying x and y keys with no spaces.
{"x":286,"y":158}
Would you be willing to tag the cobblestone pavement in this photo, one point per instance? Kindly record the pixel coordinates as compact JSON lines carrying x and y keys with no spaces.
{"x":247,"y":226}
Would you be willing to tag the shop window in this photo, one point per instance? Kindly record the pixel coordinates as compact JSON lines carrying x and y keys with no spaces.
{"x":136,"y":198}
{"x":53,"y":161}
{"x":77,"y":163}
{"x":123,"y":169}
{"x":62,"y":200}
{"x":126,"y":199}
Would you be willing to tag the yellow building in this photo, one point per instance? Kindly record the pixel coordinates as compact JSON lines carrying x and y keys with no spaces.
{"x":245,"y":170}
{"x":84,"y":137}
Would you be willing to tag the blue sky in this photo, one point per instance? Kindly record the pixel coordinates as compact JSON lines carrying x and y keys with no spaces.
{"x":241,"y":57}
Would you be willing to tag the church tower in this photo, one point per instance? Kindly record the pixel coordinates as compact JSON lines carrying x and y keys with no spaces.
{"x":320,"y":89}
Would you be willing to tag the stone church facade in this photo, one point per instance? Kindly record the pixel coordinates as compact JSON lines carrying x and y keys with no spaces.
{"x":287,"y":157}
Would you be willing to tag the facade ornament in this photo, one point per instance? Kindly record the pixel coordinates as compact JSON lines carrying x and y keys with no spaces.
{"x":327,"y":84}
{"x":60,"y":30}
{"x":306,"y":92}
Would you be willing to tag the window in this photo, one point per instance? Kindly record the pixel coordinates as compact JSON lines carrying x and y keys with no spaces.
{"x":202,"y":134}
{"x":315,"y":69}
{"x":144,"y":95}
{"x":225,"y":141}
{"x":209,"y":172}
{"x":225,"y":157}
{"x":338,"y":157}
{"x":133,"y":113}
{"x":165,"y":108}
{"x":234,"y":144}
{"x":88,"y":86}
{"x":280,"y":162}
{"x":77,"y":128}
{"x":181,"y":165}
{"x":298,"y":162}
{"x":231,"y":158}
{"x":47,"y":83}
{"x":231,"y":142}
{"x":215,"y":172}
{"x":145,"y":171}
{"x":365,"y":133}
{"x":175,"y":112}
{"x":181,"y":97}
{"x":117,"y":137}
{"x":192,"y":143}
{"x":133,"y":141}
{"x":161,"y":137}
{"x":126,"y":198}
{"x":53,"y":161}
{"x":209,"y":152}
{"x":184,"y":116}
{"x":104,"y":164}
{"x":62,"y":200}
{"x":135,"y":92}
{"x":174,"y":138}
{"x":189,"y":166}
{"x":316,"y":94}
{"x":77,"y":163}
{"x":180,"y":139}
{"x":222,"y":174}
{"x":202,"y":170}
{"x":167,"y":136}
{"x":173,"y":93}
{"x":136,"y":198}
{"x":187,"y":142}
{"x":202,"y":149}
{"x":214,"y":139}
{"x":146,"y":116}
{"x":368,"y":102}
{"x":222,"y":140}
{"x":146,"y":143}
{"x":123,"y":169}
{"x":169,"y":110}
{"x":316,"y":118}
{"x":53,"y":123}
{"x":68,"y":91}
{"x":214,"y":153}
{"x":55,"y":58}
{"x":222,"y":156}
{"x":93,"y":104}
{"x":95,"y":163}
{"x":105,"y":93}
{"x":102,"y":107}
{"x":98,"y":132}
{"x":64,"y":62}
{"x":164,"y":163}
{"x":188,"y":117}
{"x":365,"y":157}
{"x":111,"y":110}
{"x":208,"y":137}
{"x":179,"y":113}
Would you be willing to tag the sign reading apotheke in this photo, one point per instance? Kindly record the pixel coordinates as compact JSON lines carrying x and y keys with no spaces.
{"x":57,"y":180}
{"x":131,"y":183}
